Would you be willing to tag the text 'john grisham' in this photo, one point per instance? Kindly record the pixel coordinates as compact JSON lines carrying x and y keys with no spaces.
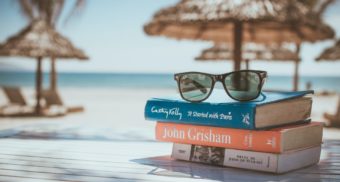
{"x":195,"y":134}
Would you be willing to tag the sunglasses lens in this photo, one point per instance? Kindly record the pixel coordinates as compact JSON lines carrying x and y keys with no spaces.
{"x":195,"y":86}
{"x":243,"y":86}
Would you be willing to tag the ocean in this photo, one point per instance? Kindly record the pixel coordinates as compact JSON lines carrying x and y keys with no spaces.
{"x":141,"y":80}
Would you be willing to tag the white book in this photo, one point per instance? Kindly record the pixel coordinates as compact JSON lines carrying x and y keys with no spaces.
{"x":260,"y":161}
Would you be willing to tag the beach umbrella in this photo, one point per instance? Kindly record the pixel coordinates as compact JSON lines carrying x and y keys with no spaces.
{"x":39,"y":40}
{"x":252,"y":51}
{"x":331,"y":53}
{"x":237,"y":22}
{"x":223,"y":52}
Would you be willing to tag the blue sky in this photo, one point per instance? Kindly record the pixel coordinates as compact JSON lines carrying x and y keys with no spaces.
{"x":111,"y":33}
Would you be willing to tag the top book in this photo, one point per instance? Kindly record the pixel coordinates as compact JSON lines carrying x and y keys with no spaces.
{"x":270,"y":109}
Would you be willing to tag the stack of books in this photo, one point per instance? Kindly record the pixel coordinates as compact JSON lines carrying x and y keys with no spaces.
{"x":273,"y":133}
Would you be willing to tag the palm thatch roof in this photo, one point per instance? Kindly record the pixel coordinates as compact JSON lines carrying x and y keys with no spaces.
{"x":38,"y":39}
{"x":223,"y":52}
{"x":264,"y":21}
{"x":330,"y":54}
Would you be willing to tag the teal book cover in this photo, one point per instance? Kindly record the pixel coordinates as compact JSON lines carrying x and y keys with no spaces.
{"x":218,"y":110}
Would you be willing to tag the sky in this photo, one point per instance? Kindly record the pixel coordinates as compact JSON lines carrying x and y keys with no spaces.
{"x":111,"y":33}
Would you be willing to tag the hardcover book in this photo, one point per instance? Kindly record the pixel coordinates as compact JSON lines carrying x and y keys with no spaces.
{"x":276,"y":140}
{"x":260,"y":161}
{"x":270,"y":109}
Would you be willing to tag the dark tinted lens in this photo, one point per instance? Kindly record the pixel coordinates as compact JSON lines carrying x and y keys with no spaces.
{"x":243,"y":85}
{"x":195,"y":86}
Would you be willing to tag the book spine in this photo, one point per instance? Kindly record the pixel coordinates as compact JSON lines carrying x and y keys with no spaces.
{"x":264,"y":141}
{"x":232,"y":116}
{"x":260,"y":161}
{"x":226,"y":157}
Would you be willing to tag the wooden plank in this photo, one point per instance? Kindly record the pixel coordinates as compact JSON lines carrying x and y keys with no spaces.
{"x":23,"y":175}
{"x":60,"y":160}
{"x":9,"y":178}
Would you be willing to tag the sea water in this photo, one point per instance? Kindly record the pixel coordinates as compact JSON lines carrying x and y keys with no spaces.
{"x":142,"y":80}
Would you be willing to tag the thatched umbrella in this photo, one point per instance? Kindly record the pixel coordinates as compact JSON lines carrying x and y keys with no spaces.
{"x":331,"y":53}
{"x":223,"y":52}
{"x":39,"y":40}
{"x":260,"y":21}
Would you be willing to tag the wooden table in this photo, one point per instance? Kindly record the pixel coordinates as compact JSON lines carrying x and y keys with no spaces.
{"x":103,"y":161}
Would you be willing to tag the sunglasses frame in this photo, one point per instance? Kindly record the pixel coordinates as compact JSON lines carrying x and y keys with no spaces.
{"x":221,"y":77}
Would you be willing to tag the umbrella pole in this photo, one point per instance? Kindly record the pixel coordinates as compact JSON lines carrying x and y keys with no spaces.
{"x":296,"y":70}
{"x":247,"y":64}
{"x":296,"y":75}
{"x":238,"y":31}
{"x":38,"y":86}
{"x":53,"y":75}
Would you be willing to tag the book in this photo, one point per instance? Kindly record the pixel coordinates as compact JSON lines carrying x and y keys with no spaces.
{"x":277,"y":140}
{"x":260,"y":161}
{"x":270,"y":109}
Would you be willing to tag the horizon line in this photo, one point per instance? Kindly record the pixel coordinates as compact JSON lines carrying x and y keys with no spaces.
{"x":145,"y":73}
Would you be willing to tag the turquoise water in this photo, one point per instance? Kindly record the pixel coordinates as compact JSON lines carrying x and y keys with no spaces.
{"x":127,"y":80}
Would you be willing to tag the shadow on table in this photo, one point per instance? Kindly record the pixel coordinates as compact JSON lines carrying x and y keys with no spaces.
{"x":165,"y":166}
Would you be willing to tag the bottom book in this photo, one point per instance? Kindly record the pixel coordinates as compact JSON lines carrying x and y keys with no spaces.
{"x":260,"y":161}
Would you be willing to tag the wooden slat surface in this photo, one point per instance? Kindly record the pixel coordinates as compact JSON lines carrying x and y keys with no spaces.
{"x":78,"y":160}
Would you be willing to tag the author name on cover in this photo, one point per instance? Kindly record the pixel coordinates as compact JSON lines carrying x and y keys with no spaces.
{"x":195,"y":134}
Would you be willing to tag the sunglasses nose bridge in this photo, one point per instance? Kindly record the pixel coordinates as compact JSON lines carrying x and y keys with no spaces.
{"x":218,"y":78}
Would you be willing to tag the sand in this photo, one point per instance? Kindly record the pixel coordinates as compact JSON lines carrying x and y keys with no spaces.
{"x":113,"y":114}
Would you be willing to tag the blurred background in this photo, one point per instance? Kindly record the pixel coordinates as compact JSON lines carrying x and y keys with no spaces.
{"x":99,"y":66}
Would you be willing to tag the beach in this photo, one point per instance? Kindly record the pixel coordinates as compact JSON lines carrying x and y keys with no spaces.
{"x":75,"y":78}
{"x":114,"y":114}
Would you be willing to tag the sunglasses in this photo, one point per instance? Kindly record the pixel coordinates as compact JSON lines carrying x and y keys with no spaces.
{"x":244,"y":85}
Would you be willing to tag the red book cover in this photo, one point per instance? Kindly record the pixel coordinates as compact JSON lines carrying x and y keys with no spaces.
{"x":262,"y":141}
